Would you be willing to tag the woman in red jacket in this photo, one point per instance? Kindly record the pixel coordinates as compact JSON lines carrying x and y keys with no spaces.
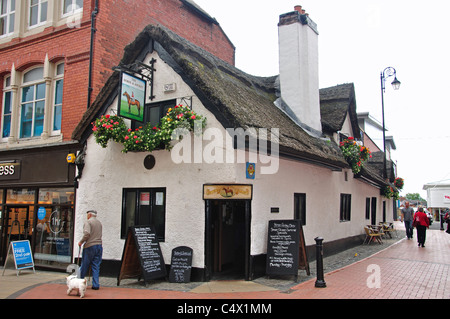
{"x":421,"y":222}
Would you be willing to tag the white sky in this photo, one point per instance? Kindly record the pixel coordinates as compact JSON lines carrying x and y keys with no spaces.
{"x":357,"y":41}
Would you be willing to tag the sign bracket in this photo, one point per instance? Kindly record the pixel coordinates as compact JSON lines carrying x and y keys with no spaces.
{"x":138,"y":68}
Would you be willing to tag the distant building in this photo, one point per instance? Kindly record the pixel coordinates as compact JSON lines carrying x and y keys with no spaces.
{"x":438,"y":196}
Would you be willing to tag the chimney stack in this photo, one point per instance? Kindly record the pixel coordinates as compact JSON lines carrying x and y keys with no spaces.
{"x":299,"y":68}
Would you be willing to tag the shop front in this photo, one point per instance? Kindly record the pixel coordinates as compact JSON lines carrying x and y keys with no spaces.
{"x":37,"y":199}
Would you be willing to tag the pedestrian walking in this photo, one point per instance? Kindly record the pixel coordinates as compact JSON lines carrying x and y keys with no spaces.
{"x":93,"y":249}
{"x":447,"y":220}
{"x":421,"y":222}
{"x":407,"y":218}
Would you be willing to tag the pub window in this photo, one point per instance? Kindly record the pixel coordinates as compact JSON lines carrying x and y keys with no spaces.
{"x":154,"y":112}
{"x":144,"y":206}
{"x":38,"y":12}
{"x":7,"y":108}
{"x":300,"y":207}
{"x":346,"y":203}
{"x":368,"y":208}
{"x":7,"y":16}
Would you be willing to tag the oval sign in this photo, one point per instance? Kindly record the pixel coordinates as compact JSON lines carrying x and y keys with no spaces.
{"x":41,"y":213}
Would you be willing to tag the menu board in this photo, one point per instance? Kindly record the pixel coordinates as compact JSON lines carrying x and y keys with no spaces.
{"x":283,"y":247}
{"x":181,"y":265}
{"x":142,"y":255}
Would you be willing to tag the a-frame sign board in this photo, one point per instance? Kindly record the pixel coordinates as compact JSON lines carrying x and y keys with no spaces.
{"x":23,"y":257}
{"x":286,"y":251}
{"x":303,"y":257}
{"x":142,"y":257}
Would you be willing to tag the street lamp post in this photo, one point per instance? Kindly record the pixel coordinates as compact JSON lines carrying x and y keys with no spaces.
{"x":388,"y":72}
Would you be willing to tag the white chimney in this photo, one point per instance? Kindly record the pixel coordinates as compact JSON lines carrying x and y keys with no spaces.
{"x":299,"y":68}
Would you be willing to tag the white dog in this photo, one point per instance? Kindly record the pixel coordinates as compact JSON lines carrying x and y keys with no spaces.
{"x":76,"y":283}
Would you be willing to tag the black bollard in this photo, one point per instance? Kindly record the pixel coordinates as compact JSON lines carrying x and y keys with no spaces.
{"x":320,"y":282}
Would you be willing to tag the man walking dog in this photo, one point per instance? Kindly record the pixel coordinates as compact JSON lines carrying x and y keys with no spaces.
{"x":93,"y":249}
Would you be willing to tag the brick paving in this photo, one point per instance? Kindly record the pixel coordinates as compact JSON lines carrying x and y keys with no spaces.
{"x":401,"y":271}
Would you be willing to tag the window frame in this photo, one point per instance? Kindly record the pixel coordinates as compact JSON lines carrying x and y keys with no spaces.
{"x":72,"y":12}
{"x":345,"y":208}
{"x":7,"y":89}
{"x":57,"y":77}
{"x":300,"y":207}
{"x":160,"y":229}
{"x":368,"y":207}
{"x":148,"y":112}
{"x":7,"y":15}
{"x":39,"y":6}
{"x":34,"y":84}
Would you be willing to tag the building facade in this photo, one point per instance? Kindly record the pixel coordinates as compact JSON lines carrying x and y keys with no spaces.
{"x":257,"y":160}
{"x":56,"y":55}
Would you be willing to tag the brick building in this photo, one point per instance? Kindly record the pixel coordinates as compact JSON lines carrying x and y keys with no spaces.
{"x":55,"y":56}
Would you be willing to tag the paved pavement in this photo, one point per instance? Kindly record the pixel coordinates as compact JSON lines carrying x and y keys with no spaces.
{"x":400,"y":271}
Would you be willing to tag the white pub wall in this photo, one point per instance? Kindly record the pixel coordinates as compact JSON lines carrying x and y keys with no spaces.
{"x":108,"y":171}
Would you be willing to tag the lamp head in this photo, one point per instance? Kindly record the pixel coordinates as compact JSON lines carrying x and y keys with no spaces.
{"x":396,"y":84}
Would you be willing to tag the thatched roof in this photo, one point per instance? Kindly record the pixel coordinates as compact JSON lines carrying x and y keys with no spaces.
{"x":335,"y":103}
{"x":237,"y":99}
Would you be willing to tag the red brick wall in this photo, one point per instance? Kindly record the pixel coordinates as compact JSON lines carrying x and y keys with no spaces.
{"x":117,"y":24}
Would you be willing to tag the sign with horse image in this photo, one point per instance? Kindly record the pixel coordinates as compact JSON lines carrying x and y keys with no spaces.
{"x":132,"y":92}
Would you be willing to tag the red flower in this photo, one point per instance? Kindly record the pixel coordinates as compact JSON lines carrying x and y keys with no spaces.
{"x":107,"y":116}
{"x":193,"y":117}
{"x":126,"y":138}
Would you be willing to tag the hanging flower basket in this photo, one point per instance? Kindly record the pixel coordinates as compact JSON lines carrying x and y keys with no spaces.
{"x":354,"y":154}
{"x":389,"y":192}
{"x":399,"y":182}
{"x":147,"y":138}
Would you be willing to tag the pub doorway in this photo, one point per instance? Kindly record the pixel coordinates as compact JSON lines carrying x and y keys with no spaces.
{"x":227,"y":239}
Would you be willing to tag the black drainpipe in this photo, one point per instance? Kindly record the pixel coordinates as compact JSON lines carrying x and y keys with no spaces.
{"x":91,"y":51}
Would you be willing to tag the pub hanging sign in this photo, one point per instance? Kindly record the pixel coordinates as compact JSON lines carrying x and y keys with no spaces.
{"x":132,"y":92}
{"x":10,"y":170}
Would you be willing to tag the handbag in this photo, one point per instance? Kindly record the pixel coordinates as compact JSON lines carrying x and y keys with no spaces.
{"x":416,"y":221}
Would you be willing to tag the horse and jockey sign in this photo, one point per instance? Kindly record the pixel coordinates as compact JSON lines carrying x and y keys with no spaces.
{"x":132,"y":92}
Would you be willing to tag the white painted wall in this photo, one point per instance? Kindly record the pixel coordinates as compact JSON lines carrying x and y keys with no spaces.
{"x":107,"y":171}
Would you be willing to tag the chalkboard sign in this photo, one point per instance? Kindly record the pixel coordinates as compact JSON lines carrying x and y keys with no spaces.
{"x":283,"y":247}
{"x":142,"y":255}
{"x":181,"y":264}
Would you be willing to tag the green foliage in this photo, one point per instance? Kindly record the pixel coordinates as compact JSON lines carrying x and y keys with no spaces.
{"x":354,"y":154}
{"x":147,"y":138}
